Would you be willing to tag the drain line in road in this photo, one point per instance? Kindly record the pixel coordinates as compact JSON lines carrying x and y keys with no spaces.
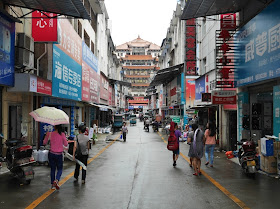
{"x":36,"y":202}
{"x":216,"y":184}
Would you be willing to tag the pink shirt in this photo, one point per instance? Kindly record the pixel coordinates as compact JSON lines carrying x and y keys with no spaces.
{"x":209,"y":139}
{"x":57,"y":141}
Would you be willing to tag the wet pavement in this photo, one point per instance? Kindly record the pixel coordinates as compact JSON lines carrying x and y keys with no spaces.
{"x":138,"y":173}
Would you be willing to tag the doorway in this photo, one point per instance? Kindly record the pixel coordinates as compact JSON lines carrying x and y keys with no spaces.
{"x":15,"y":120}
{"x":232,"y":116}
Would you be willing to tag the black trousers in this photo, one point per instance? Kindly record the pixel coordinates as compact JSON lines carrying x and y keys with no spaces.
{"x":83,"y":159}
{"x":124,"y":136}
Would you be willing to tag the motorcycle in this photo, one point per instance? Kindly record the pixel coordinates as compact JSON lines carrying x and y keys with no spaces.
{"x":19,"y":160}
{"x":155,"y":126}
{"x":248,"y":158}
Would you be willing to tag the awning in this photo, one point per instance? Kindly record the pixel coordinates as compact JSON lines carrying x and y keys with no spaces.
{"x":124,"y":83}
{"x":72,"y":8}
{"x":203,"y":8}
{"x":166,"y":75}
{"x":5,"y":13}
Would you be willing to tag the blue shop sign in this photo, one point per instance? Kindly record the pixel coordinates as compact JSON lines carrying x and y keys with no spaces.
{"x":7,"y":51}
{"x":199,"y":87}
{"x":258,"y":47}
{"x":67,"y":76}
{"x":89,"y":57}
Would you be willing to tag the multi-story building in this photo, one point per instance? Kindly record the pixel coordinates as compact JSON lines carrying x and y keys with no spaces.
{"x":139,"y":59}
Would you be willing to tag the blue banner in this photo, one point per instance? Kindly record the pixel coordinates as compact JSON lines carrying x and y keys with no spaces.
{"x":258,"y":47}
{"x":67,"y":76}
{"x":276,"y":110}
{"x":7,"y":51}
{"x":199,"y":87}
{"x":89,"y":58}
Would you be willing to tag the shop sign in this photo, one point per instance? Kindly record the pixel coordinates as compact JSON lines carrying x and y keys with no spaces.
{"x":175,"y":119}
{"x":44,"y":27}
{"x":110,"y":95}
{"x":190,"y":91}
{"x":43,"y":86}
{"x":104,"y":93}
{"x":206,"y":97}
{"x":199,"y":87}
{"x":228,"y":21}
{"x":276,"y":110}
{"x":7,"y":51}
{"x":259,"y":47}
{"x":70,"y":41}
{"x":223,"y":97}
{"x":190,"y":47}
{"x":225,"y":58}
{"x":67,"y":76}
{"x":90,"y":58}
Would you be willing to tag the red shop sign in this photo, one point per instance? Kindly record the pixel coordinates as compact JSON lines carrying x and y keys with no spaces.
{"x":43,"y":86}
{"x":44,"y":28}
{"x":223,"y":97}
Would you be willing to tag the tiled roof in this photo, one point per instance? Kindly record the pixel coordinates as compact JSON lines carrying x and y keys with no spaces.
{"x":138,"y":42}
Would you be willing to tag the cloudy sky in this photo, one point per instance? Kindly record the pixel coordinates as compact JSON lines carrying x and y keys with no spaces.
{"x":147,"y":18}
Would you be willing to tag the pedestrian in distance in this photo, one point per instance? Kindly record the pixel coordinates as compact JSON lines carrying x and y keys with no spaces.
{"x":186,"y":133}
{"x":197,"y":140}
{"x":210,"y":136}
{"x":81,"y":142}
{"x":124,"y":131}
{"x":57,"y":140}
{"x":176,"y":153}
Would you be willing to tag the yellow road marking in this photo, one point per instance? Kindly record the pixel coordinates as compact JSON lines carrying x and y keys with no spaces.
{"x":218,"y":185}
{"x":36,"y":202}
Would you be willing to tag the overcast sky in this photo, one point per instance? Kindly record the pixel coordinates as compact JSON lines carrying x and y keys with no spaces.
{"x":147,"y":18}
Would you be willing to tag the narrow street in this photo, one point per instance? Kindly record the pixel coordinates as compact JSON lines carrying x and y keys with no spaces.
{"x":139,"y":174}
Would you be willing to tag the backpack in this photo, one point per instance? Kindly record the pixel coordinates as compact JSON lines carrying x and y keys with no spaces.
{"x":172,"y":143}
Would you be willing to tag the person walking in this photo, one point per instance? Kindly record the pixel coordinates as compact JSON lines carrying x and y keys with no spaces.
{"x":186,"y":133}
{"x":197,"y":141}
{"x":176,"y":153}
{"x":57,"y":141}
{"x":124,"y":131}
{"x":81,"y":142}
{"x":210,"y":136}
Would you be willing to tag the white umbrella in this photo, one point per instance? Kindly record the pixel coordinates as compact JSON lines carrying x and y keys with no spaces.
{"x":50,"y":115}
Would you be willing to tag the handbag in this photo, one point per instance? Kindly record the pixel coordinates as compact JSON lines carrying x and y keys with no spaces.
{"x":78,"y":152}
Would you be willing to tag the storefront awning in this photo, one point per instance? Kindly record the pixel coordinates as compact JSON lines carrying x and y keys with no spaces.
{"x":72,"y":8}
{"x":166,"y":75}
{"x":202,"y":8}
{"x":5,"y":13}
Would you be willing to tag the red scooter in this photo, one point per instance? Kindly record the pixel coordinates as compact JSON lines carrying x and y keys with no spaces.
{"x":248,"y":157}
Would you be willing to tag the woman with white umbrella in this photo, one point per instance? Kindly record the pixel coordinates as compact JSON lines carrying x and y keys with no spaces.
{"x":57,"y":140}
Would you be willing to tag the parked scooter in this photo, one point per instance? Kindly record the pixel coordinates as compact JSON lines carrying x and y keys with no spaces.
{"x":19,"y":160}
{"x":155,"y":125}
{"x":247,"y":156}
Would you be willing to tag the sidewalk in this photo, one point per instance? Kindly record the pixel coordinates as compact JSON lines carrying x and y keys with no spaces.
{"x":220,"y":160}
{"x":100,"y":140}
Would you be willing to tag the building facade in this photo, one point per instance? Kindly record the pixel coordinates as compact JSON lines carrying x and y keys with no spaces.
{"x":139,"y":59}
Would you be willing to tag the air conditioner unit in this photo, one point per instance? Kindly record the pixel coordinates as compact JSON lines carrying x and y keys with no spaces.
{"x":24,"y":51}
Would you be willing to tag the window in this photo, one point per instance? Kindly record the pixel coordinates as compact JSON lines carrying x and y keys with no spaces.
{"x":86,"y":39}
{"x":80,"y":29}
{"x":92,"y":47}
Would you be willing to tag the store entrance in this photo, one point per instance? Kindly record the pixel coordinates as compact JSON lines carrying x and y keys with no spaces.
{"x":232,"y":115}
{"x":15,"y":119}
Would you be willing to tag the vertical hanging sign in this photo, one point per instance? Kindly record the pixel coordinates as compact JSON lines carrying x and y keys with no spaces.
{"x":190,"y":47}
{"x":44,"y":27}
{"x":225,"y":52}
